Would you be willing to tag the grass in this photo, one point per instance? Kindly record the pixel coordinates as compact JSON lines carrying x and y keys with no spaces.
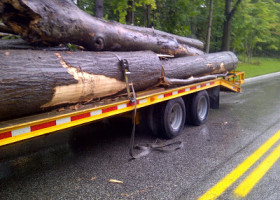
{"x":259,"y":66}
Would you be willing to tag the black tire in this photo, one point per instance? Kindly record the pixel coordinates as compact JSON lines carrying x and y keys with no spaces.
{"x":199,"y":108}
{"x":169,"y":118}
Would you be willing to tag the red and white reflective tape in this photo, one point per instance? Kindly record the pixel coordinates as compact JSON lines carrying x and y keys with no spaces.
{"x":161,"y":96}
{"x":65,"y":120}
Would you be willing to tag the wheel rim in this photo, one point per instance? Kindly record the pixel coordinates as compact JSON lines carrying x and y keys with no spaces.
{"x":202,"y":108}
{"x":176,"y":117}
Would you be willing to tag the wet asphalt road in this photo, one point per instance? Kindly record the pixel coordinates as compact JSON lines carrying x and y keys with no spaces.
{"x":78,"y":164}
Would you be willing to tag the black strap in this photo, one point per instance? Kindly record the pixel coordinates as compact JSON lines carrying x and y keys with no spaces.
{"x":147,"y":148}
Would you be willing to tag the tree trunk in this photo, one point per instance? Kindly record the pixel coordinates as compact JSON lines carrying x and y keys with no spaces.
{"x":53,"y":22}
{"x":209,"y":26}
{"x":174,"y":81}
{"x":181,"y":40}
{"x":22,"y":44}
{"x":226,"y":35}
{"x":33,"y":81}
{"x":229,"y":13}
{"x":130,"y":13}
{"x":14,"y":44}
{"x":148,"y":15}
{"x":227,"y":26}
{"x":79,"y":3}
{"x":214,"y":63}
{"x":99,"y":8}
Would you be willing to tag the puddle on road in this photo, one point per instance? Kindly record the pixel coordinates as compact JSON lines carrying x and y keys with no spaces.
{"x":35,"y":162}
{"x":42,"y":154}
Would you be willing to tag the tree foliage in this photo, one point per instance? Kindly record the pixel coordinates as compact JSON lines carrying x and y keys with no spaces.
{"x":257,"y":28}
{"x":255,"y":24}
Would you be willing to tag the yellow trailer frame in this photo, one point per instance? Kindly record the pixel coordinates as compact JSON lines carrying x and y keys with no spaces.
{"x":37,"y":125}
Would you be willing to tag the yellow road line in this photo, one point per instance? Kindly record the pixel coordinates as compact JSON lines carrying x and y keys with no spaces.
{"x":247,"y":185}
{"x":229,"y":179}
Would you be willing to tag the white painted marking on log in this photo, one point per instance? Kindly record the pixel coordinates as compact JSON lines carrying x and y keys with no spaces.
{"x":174,"y":92}
{"x":89,"y":86}
{"x":198,"y":86}
{"x":207,"y":84}
{"x":21,"y":131}
{"x":143,"y":101}
{"x":187,"y":89}
{"x":160,"y":96}
{"x":122,"y":106}
{"x":96,"y":112}
{"x":63,"y":120}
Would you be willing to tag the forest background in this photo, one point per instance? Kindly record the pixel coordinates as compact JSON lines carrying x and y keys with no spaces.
{"x":250,"y":28}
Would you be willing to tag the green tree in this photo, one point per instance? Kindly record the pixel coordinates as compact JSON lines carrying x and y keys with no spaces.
{"x":256,"y":28}
{"x":86,"y":5}
{"x":229,"y":13}
{"x":182,"y":17}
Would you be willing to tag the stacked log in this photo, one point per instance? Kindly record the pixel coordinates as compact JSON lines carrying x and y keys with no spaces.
{"x":32,"y":81}
{"x":214,"y":63}
{"x":54,"y":22}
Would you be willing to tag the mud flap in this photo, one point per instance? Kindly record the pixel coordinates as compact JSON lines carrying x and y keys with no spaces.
{"x":214,"y":95}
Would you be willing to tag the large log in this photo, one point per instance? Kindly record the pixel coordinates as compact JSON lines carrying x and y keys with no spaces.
{"x":53,"y":22}
{"x":14,"y":44}
{"x":33,"y":81}
{"x":22,"y":44}
{"x":182,"y":40}
{"x":214,"y":63}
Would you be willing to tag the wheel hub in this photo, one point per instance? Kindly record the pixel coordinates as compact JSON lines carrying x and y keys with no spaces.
{"x":176,"y":116}
{"x":202,"y":108}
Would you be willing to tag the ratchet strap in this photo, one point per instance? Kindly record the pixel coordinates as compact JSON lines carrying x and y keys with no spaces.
{"x":147,"y":148}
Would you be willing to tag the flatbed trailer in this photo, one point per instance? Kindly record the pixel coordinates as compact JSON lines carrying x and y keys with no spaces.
{"x":50,"y":122}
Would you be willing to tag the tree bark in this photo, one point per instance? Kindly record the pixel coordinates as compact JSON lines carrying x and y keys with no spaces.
{"x":173,"y":81}
{"x":227,"y":26}
{"x":14,"y":44}
{"x":209,"y":26}
{"x":99,"y":8}
{"x":52,"y":22}
{"x":130,"y":13}
{"x":147,"y":16}
{"x":22,"y":44}
{"x":229,"y":13}
{"x":33,"y":81}
{"x":181,"y":40}
{"x":214,"y":63}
